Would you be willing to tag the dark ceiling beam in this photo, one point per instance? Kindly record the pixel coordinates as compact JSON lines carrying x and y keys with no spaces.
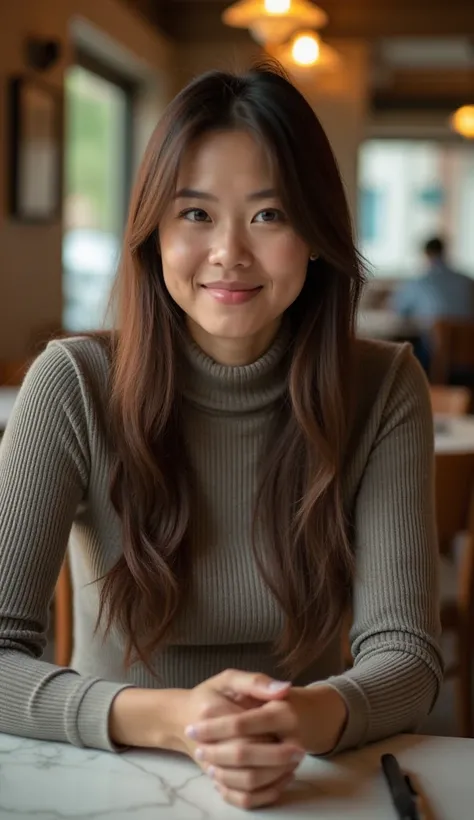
{"x":368,"y":19}
{"x":424,"y":89}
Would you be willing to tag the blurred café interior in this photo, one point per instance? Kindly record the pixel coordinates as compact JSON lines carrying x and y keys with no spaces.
{"x":82,"y":85}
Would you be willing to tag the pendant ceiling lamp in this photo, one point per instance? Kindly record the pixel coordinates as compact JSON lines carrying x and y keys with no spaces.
{"x":272,"y":22}
{"x":306,"y":50}
{"x":462,"y":121}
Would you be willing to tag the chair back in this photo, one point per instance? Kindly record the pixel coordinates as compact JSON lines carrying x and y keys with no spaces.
{"x":452,"y":343}
{"x":454,"y":496}
{"x":455,"y":514}
{"x":450,"y":401}
{"x":63,"y":616}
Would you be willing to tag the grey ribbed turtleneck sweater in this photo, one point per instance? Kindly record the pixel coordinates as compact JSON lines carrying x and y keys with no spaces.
{"x":54,"y":482}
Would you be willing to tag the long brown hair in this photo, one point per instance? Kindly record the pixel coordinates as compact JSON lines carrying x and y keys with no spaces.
{"x":308,"y":561}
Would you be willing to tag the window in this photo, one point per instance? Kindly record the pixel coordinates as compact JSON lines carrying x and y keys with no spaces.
{"x":411,"y":190}
{"x":97,"y":173}
{"x":370,"y":210}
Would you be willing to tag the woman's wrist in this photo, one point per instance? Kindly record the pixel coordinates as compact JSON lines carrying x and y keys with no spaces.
{"x":322,"y":716}
{"x":148,"y":718}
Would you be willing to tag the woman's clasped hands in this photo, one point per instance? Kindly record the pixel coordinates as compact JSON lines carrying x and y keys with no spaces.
{"x":243,"y":731}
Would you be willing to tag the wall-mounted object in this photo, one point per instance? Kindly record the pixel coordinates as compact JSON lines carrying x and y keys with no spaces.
{"x":36,"y":150}
{"x":41,"y":54}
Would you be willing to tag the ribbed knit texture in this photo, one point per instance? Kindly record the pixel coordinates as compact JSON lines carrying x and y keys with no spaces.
{"x":54,"y":489}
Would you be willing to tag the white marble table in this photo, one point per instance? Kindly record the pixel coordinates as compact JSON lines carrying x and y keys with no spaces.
{"x":7,"y":400}
{"x":454,"y":435}
{"x":51,"y":781}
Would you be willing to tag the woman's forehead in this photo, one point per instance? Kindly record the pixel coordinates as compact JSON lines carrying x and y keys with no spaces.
{"x":220,"y":157}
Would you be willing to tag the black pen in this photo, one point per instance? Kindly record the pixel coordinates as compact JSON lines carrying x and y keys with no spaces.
{"x":400,"y":788}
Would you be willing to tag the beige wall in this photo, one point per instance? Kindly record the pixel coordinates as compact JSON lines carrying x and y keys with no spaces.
{"x":30,"y":255}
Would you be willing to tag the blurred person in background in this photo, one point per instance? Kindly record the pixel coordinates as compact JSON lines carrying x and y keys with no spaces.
{"x":440,"y":293}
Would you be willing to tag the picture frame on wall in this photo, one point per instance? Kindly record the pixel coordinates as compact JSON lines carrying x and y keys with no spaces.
{"x":36,"y":143}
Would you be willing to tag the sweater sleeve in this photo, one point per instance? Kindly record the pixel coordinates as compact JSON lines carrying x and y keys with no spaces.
{"x":396,"y":628}
{"x":44,"y":467}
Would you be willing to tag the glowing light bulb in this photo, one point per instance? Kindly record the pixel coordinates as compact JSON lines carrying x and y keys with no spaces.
{"x":305,"y":49}
{"x":277,"y":6}
{"x":463,"y":121}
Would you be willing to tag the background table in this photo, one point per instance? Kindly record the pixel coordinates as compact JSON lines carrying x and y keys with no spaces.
{"x":454,"y":435}
{"x":381,"y":323}
{"x":7,"y":400}
{"x":51,"y":781}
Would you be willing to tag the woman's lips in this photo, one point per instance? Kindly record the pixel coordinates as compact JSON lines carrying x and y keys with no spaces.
{"x":232,"y":297}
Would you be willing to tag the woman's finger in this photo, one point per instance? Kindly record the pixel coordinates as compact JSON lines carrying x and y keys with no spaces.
{"x":277,"y":719}
{"x":235,"y":683}
{"x":243,"y":754}
{"x":253,"y":800}
{"x":249,"y":780}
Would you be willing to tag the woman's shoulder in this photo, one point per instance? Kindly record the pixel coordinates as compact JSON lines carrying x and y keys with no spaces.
{"x":388,"y":375}
{"x":88,"y":356}
{"x":72,"y":374}
{"x":376,"y":358}
{"x":378,"y":361}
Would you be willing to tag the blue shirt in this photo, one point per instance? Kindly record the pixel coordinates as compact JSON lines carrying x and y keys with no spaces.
{"x":440,"y":293}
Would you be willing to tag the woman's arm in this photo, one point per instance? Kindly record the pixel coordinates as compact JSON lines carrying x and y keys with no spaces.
{"x":44,"y":468}
{"x":396,"y":628}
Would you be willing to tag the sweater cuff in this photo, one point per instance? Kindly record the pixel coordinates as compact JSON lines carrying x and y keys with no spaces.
{"x":358,"y":710}
{"x":93,"y":715}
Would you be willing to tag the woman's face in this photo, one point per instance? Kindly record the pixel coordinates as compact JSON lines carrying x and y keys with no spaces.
{"x":231,"y":260}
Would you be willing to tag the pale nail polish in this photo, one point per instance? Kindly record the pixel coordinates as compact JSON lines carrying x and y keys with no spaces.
{"x":278,"y":685}
{"x":199,"y":754}
{"x":211,"y":771}
{"x":297,"y":757}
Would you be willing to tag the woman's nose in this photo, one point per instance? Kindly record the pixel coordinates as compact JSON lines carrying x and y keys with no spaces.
{"x":230,"y":250}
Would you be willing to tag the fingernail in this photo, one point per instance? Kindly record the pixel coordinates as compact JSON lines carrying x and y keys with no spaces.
{"x":297,"y":757}
{"x":199,"y":754}
{"x":278,"y":685}
{"x":190,"y":731}
{"x":211,"y":771}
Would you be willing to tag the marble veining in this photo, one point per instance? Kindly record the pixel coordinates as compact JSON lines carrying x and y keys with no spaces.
{"x":52,"y":781}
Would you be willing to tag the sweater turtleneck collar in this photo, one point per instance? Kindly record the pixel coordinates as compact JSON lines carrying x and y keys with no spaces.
{"x":247,"y":388}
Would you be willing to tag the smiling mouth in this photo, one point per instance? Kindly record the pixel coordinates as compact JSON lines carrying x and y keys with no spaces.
{"x":240,"y":286}
{"x":232,"y":293}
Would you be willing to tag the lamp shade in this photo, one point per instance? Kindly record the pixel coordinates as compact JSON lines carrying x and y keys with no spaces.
{"x":274,"y":21}
{"x":462,"y":121}
{"x":306,"y":50}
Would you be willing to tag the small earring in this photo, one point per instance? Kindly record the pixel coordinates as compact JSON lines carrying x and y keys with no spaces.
{"x":313,"y":256}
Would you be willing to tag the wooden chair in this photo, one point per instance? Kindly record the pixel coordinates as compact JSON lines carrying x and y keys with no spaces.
{"x":452,"y":346}
{"x":451,"y":401}
{"x":63,"y":617}
{"x":455,"y":523}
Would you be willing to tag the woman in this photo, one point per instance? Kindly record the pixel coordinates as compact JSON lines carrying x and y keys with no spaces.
{"x":267,"y":470}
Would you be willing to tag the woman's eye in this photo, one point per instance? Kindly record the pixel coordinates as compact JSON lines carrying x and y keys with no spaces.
{"x":195,"y":215}
{"x":269,"y":215}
